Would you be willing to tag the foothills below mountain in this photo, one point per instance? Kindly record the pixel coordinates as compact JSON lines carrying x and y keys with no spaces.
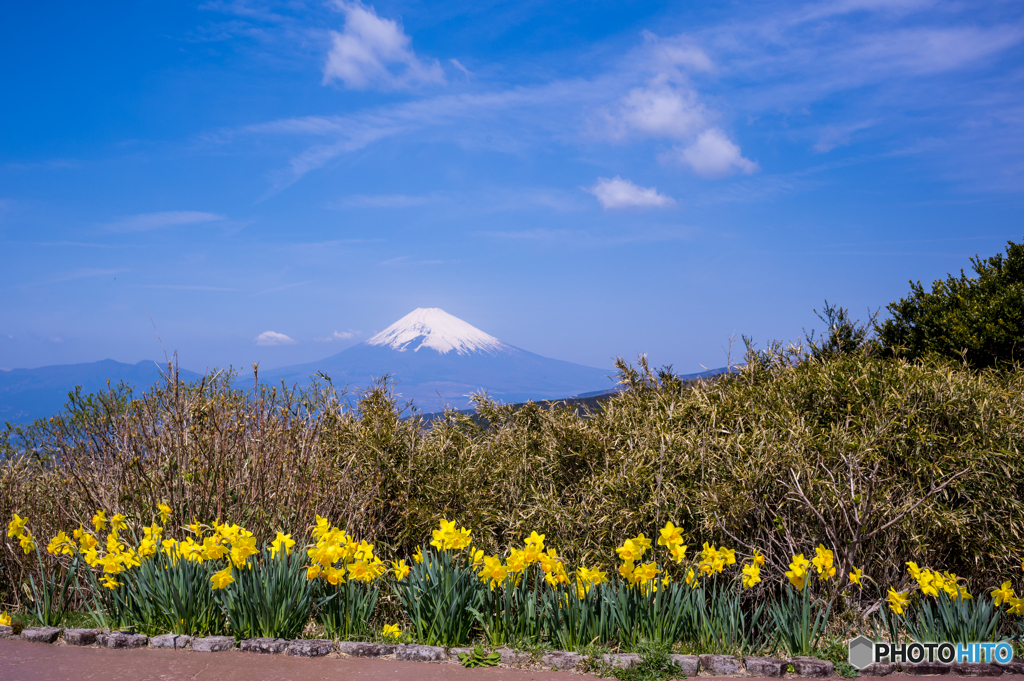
{"x":435,"y":359}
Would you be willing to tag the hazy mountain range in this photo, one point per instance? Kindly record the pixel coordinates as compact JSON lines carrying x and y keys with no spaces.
{"x":436,"y":359}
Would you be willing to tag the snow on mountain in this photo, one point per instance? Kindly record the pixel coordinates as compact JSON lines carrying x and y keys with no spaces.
{"x":432,"y":327}
{"x":437,"y":359}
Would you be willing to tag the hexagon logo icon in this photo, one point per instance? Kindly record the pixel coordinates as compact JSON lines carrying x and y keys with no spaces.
{"x":862,"y":651}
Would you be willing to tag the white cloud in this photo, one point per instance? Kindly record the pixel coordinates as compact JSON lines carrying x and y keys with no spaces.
{"x":274,"y":338}
{"x":658,"y":110}
{"x":147,"y":221}
{"x":616,"y":193}
{"x":713,"y":154}
{"x":373,"y":52}
{"x":338,"y":336}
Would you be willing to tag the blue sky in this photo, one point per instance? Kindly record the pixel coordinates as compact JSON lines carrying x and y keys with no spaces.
{"x":580,"y":179}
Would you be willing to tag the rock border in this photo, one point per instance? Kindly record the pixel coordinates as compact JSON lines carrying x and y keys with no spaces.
{"x":691,"y":665}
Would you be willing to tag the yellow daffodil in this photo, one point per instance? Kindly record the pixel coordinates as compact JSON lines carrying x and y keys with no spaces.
{"x":1003,"y":593}
{"x":195,"y":527}
{"x":751,"y":575}
{"x":313,"y":571}
{"x":165,"y":513}
{"x":691,"y":578}
{"x":856,"y":576}
{"x":516,"y":561}
{"x":16,"y":526}
{"x":400,"y":569}
{"x":823,"y":563}
{"x":534,"y":539}
{"x":678,"y":552}
{"x":392,"y":631}
{"x":493,"y":571}
{"x":28,"y":544}
{"x":5,"y":619}
{"x":99,"y":520}
{"x":222,"y":578}
{"x":915,"y":572}
{"x":117,"y":523}
{"x":797,"y":573}
{"x":757,"y":558}
{"x":333,"y":575}
{"x":670,"y":535}
{"x":60,"y":544}
{"x":418,"y":556}
{"x":282,"y":541}
{"x":1016,"y":606}
{"x":897,"y":601}
{"x":110,"y":582}
{"x":644,"y":573}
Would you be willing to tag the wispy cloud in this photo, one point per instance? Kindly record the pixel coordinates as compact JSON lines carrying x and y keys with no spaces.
{"x":339,"y":336}
{"x":270,"y":338}
{"x":383,"y":201}
{"x":375,"y":53}
{"x":190,"y":287}
{"x":616,"y":194}
{"x":149,"y":221}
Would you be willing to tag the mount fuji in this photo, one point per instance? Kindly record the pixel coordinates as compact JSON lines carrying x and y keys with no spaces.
{"x":438,"y":360}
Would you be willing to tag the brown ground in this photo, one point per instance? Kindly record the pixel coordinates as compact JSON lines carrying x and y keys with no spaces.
{"x":24,"y":661}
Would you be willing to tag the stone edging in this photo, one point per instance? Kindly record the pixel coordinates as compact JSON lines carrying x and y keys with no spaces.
{"x":691,"y":665}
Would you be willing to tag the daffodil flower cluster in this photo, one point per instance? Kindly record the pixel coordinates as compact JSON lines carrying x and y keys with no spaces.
{"x":493,"y":572}
{"x":17,"y":530}
{"x":450,"y":537}
{"x":1004,"y":595}
{"x":631,"y":551}
{"x":823,"y":562}
{"x":932,"y":582}
{"x":337,"y":556}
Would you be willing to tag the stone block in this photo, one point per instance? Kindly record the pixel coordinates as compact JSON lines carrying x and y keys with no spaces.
{"x":362,"y":649}
{"x":264,"y":646}
{"x":720,"y":665}
{"x":765,"y":666}
{"x":688,"y":664}
{"x":1012,"y":667}
{"x":924,"y":668}
{"x":80,"y":637}
{"x":166,"y":641}
{"x":121,"y":639}
{"x":6,"y":631}
{"x":811,"y":667}
{"x":976,"y":669}
{"x":559,"y":659}
{"x":513,"y":658}
{"x":878,"y":669}
{"x":418,"y":653}
{"x":40,"y":634}
{"x":626,"y":660}
{"x":311,"y":647}
{"x":213,"y":644}
{"x":453,"y":653}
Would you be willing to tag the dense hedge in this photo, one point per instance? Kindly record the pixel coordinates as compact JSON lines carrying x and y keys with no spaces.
{"x":886,"y":461}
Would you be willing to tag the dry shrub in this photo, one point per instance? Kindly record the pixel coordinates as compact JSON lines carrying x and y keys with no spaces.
{"x":885,"y":461}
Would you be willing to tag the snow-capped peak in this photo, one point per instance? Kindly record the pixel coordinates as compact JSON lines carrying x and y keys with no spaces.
{"x":432,"y":327}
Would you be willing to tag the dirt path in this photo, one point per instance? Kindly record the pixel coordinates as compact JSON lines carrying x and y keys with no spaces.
{"x":23,"y":661}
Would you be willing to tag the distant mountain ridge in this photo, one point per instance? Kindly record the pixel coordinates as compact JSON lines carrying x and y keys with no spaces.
{"x":438,"y":360}
{"x":29,"y":394}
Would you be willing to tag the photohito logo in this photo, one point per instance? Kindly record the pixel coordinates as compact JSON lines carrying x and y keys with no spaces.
{"x":864,"y":651}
